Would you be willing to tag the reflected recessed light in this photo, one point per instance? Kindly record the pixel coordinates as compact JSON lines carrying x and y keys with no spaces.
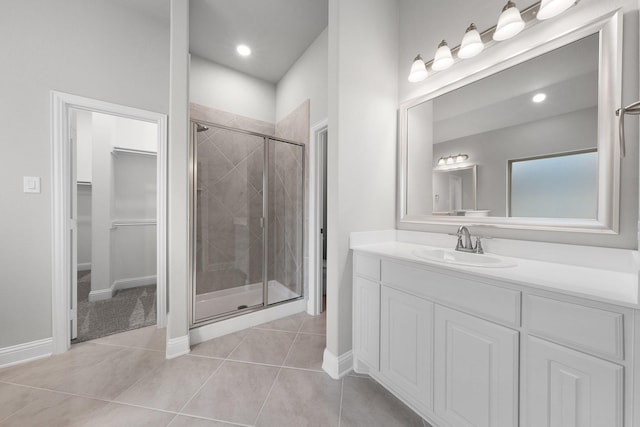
{"x":243,"y":50}
{"x":539,"y":97}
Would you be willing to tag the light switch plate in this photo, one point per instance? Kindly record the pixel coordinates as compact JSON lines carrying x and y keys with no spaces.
{"x":31,"y":184}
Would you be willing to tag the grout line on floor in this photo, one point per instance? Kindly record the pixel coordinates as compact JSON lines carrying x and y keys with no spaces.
{"x":267,"y":398}
{"x":200,"y":417}
{"x":200,"y":388}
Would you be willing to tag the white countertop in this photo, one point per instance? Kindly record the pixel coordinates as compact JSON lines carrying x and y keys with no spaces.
{"x":599,"y":284}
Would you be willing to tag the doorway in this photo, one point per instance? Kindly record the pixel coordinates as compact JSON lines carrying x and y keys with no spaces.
{"x":114,"y":168}
{"x":132,"y":209}
{"x":317,"y":249}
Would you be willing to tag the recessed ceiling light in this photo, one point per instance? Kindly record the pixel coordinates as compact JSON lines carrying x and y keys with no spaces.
{"x":243,"y":50}
{"x":539,"y":97}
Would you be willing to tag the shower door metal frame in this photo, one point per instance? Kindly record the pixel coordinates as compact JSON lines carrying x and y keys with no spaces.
{"x":193,"y":196}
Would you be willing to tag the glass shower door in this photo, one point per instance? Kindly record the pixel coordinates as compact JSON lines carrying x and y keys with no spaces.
{"x":285,"y":224}
{"x":228,"y":222}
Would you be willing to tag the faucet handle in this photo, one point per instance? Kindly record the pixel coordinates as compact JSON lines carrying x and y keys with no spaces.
{"x":478,"y":247}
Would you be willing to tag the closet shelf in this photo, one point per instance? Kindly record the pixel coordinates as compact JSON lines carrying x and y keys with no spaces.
{"x":121,"y":150}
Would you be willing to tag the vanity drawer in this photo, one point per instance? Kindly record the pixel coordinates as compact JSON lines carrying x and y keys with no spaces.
{"x":491,"y":302}
{"x":593,"y":330}
{"x":366,"y":266}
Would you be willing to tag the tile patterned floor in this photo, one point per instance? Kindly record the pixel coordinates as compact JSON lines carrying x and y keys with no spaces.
{"x":266,"y":376}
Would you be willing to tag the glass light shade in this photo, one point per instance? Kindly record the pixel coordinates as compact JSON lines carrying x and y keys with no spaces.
{"x":443,"y":59}
{"x":471,"y":43}
{"x":441,"y":161}
{"x":510,"y":23}
{"x":418,"y":70}
{"x":461,"y":158}
{"x":550,"y":8}
{"x":450,"y":160}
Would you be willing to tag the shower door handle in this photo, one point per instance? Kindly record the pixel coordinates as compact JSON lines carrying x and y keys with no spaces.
{"x":261,"y":222}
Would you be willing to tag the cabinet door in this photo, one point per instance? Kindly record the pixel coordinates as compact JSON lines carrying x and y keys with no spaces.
{"x":476,"y":371}
{"x":366,"y":323}
{"x":567,"y":388}
{"x":406,"y":342}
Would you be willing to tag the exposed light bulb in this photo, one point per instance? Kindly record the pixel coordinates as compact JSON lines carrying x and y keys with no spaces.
{"x":539,"y":97}
{"x":418,"y":70}
{"x":510,"y":22}
{"x":550,"y":8}
{"x":471,"y":43}
{"x":443,"y":59}
{"x":243,"y":50}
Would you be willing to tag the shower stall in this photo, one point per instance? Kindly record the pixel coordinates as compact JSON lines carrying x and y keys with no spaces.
{"x":248,"y":201}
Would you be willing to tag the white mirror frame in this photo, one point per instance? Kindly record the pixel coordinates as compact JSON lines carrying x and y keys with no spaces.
{"x":539,"y":42}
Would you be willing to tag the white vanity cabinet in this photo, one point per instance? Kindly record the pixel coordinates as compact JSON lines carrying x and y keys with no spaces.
{"x":406,"y":345}
{"x":468,"y":351}
{"x":476,"y":365}
{"x":366,"y":313}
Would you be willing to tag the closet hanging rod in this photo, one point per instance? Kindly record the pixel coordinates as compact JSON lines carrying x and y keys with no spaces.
{"x":132,"y":223}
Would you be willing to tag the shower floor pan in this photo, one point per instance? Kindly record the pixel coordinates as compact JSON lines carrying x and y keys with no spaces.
{"x":230,"y":300}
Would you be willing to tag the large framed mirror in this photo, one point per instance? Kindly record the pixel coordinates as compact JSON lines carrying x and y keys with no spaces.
{"x":539,"y":129}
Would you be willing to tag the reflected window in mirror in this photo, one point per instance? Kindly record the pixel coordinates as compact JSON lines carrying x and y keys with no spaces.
{"x":555,"y":186}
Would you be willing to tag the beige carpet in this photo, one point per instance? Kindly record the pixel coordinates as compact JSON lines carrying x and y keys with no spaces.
{"x":127,"y":309}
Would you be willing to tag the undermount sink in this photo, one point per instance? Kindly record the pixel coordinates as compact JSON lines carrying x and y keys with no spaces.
{"x":448,"y":256}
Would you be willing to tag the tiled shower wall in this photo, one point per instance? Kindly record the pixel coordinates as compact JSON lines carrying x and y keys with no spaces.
{"x":229,"y":191}
{"x":290,"y":213}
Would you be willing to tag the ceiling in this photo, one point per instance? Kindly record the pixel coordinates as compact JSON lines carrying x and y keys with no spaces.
{"x":277,"y":31}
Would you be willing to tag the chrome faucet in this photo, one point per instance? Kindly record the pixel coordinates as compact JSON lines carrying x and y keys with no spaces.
{"x":466,"y":245}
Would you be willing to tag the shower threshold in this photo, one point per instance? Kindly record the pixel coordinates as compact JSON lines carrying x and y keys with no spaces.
{"x":229,"y":300}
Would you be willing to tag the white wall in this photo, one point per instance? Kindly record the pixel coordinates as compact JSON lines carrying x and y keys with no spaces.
{"x":425,"y":24}
{"x":306,"y":79}
{"x":219,"y":87}
{"x":100,"y":49}
{"x":363,"y":44}
{"x":84,"y":146}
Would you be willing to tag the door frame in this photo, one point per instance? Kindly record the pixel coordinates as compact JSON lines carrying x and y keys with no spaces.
{"x":314,"y":275}
{"x":61,"y":106}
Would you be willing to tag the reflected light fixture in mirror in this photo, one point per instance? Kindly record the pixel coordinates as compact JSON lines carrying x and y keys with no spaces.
{"x":510,"y":23}
{"x":471,"y":43}
{"x":443,"y":58}
{"x":418,"y":70}
{"x":551,"y":8}
{"x":449,"y":160}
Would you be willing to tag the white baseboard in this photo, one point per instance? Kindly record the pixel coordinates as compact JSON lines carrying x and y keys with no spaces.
{"x":84,"y":266}
{"x":235,"y":324}
{"x":26,"y":352}
{"x":118,"y":285}
{"x":177,"y":347}
{"x":100,"y":294}
{"x":337,"y":366}
{"x":133,"y":282}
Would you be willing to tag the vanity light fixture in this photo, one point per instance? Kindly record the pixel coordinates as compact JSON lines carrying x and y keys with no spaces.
{"x":510,"y":22}
{"x":551,"y":8}
{"x":418,"y":70}
{"x":243,"y":50}
{"x":471,"y":43}
{"x":452,"y":159}
{"x":539,"y":97}
{"x":443,"y":58}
